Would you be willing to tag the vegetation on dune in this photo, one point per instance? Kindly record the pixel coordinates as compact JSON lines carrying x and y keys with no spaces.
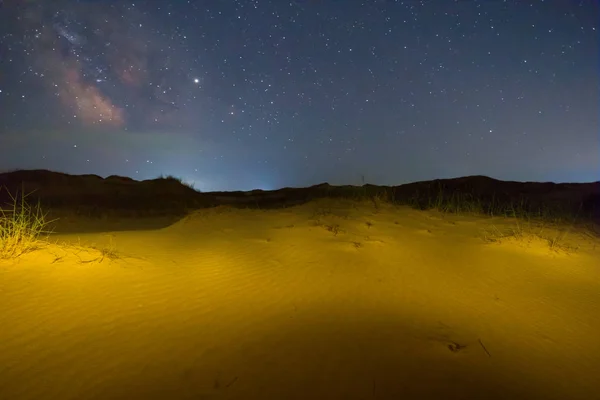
{"x":550,"y":224}
{"x":530,"y":212}
{"x":521,"y":221}
{"x":21,"y":226}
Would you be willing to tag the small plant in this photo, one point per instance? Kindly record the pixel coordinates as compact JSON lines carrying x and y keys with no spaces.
{"x":20,"y":227}
{"x":107,"y":252}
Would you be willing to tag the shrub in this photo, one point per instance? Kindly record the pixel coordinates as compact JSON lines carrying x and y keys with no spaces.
{"x":20,"y":227}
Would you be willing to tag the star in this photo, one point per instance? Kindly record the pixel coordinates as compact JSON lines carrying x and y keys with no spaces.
{"x":135,"y":81}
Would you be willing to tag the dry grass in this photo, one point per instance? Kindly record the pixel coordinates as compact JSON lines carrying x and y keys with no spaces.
{"x":525,"y":232}
{"x":107,"y":252}
{"x":21,"y":226}
{"x":546,"y":225}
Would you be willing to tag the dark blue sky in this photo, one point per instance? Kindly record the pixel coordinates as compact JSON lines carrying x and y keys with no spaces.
{"x":264,"y":94}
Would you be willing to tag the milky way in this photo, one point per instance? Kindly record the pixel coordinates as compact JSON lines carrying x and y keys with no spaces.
{"x":242,"y":94}
{"x":96,"y":59}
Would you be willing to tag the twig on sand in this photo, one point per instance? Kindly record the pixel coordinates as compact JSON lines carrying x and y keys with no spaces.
{"x":484,"y":349}
{"x":232,"y":382}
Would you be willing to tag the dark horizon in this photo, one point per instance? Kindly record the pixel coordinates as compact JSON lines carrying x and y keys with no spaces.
{"x":231,"y":96}
{"x":37,"y":175}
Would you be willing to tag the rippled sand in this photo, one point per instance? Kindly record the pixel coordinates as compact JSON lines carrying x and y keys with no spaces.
{"x":329,"y":300}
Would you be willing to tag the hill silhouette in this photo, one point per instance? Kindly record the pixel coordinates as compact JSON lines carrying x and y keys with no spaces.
{"x":92,"y":195}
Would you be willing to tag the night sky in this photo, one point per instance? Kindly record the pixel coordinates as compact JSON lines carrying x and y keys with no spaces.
{"x":265,"y":94}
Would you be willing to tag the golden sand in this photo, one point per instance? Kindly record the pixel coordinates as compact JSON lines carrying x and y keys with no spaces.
{"x":328,"y":300}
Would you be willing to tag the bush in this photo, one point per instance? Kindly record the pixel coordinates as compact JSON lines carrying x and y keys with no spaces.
{"x":20,"y":227}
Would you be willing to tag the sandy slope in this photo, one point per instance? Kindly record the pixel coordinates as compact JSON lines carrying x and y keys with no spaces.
{"x":323,"y":301}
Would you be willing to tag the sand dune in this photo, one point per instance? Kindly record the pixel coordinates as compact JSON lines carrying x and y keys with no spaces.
{"x":327,"y":300}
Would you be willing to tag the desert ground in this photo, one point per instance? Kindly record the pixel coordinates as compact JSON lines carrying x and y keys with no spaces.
{"x":331,"y":298}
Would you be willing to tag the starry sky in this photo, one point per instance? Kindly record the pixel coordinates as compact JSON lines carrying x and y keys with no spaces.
{"x":245,"y":94}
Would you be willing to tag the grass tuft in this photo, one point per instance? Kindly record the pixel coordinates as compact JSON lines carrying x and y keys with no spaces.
{"x":107,"y":252}
{"x":21,"y":226}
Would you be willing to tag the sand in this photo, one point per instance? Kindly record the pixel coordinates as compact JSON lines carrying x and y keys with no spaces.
{"x":328,"y":300}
